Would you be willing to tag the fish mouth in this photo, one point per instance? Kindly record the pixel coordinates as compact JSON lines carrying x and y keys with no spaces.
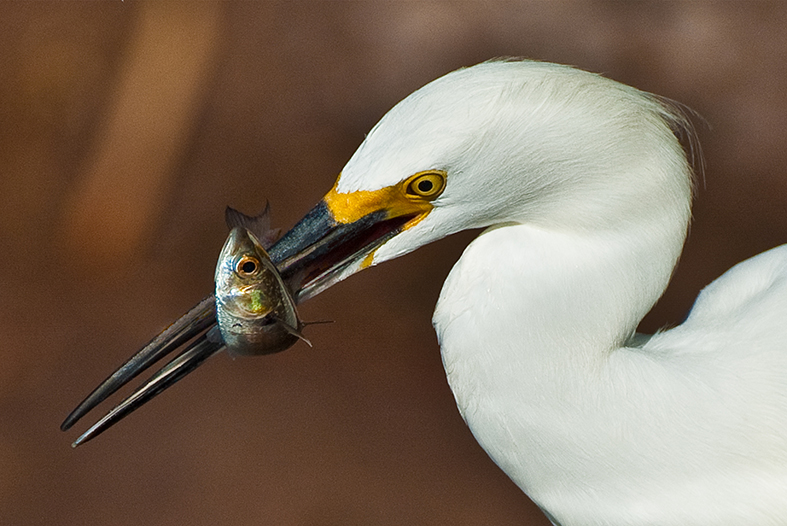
{"x":319,"y":251}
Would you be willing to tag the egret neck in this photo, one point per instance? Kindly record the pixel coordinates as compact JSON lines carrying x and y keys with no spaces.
{"x":535,"y":325}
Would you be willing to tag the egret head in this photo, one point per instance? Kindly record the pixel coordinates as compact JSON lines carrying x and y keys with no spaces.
{"x":500,"y":142}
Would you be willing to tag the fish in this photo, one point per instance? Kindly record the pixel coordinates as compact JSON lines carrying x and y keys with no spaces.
{"x":253,"y":306}
{"x":255,"y":310}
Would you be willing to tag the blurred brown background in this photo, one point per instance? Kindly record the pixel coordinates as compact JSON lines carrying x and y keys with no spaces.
{"x":126,"y":129}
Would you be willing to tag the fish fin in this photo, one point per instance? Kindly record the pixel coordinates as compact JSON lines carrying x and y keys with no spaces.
{"x":319,"y":322}
{"x":294,"y":331}
{"x":259,"y":225}
{"x":214,"y":335}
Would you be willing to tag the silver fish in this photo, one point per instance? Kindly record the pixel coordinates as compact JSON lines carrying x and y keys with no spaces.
{"x":254,"y":308}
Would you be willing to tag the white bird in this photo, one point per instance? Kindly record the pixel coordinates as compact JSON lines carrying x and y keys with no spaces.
{"x":586,"y":193}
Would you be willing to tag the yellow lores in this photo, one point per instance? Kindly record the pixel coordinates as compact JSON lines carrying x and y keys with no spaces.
{"x":411,"y":196}
{"x":255,"y":310}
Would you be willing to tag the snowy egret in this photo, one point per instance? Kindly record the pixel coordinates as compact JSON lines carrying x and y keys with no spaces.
{"x":586,"y":193}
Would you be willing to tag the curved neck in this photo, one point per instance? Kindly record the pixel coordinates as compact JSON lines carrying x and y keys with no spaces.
{"x":578,"y":294}
{"x":527,"y":320}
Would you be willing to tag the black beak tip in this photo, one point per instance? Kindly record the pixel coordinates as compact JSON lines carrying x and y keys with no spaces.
{"x":196,"y":330}
{"x":68,"y":422}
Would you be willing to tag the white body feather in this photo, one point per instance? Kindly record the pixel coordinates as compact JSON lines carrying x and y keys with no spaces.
{"x":587,"y":193}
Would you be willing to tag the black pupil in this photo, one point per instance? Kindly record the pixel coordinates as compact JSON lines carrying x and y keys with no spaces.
{"x":425,"y":186}
{"x":248,"y":267}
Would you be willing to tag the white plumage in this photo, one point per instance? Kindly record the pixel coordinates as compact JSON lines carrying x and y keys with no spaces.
{"x":586,"y":193}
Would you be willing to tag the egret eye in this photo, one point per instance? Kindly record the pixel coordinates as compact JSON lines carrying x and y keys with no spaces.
{"x":247,"y":266}
{"x":425,"y":185}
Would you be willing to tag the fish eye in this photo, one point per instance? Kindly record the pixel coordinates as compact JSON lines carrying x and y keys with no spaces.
{"x":247,"y":266}
{"x":425,"y":185}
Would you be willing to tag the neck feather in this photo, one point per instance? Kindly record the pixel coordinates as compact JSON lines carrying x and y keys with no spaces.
{"x":527,"y":320}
